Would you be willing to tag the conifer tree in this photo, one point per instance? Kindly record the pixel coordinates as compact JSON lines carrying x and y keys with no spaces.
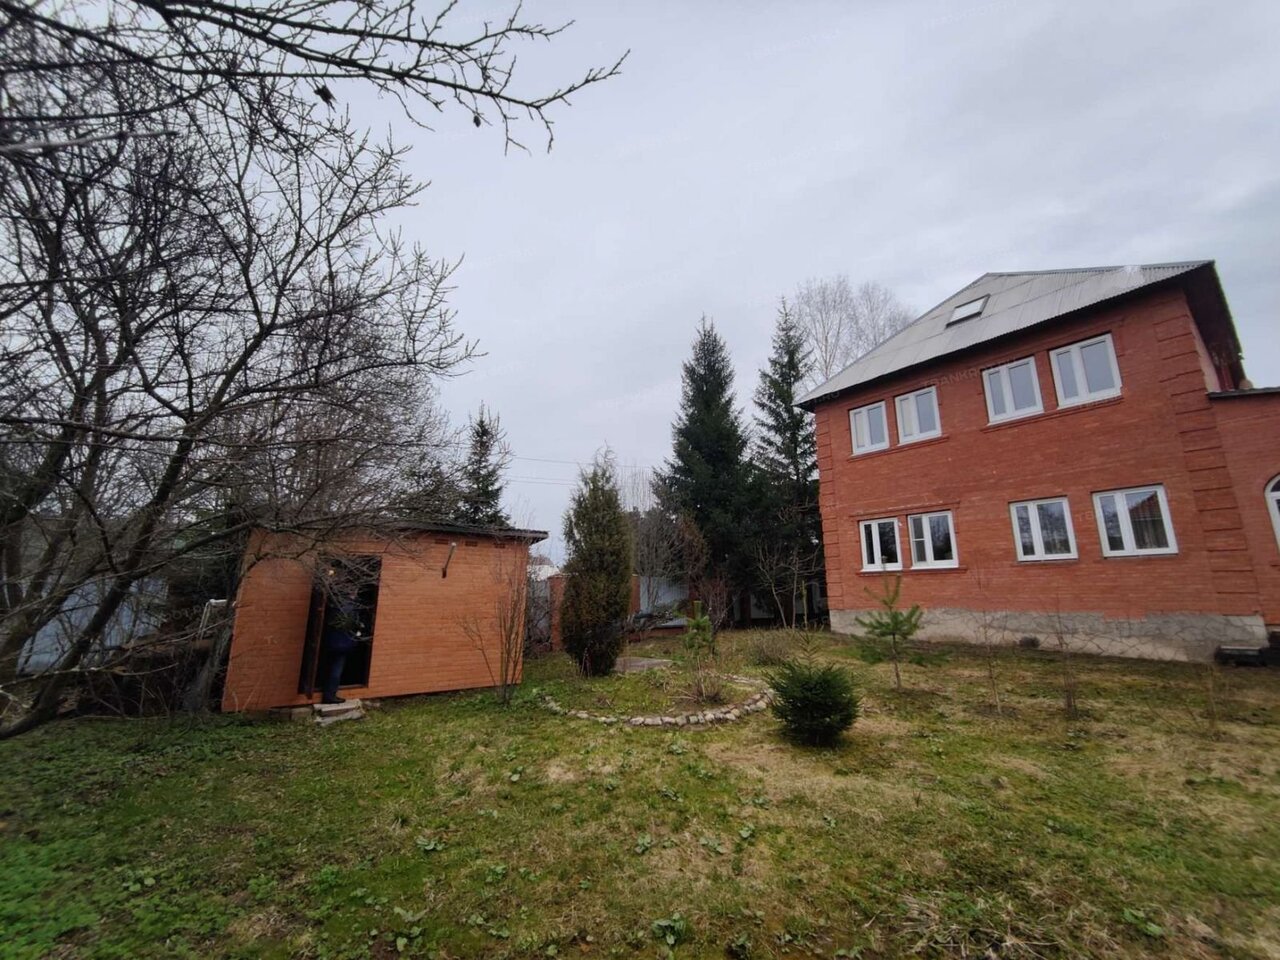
{"x":481,"y":502}
{"x":597,"y":591}
{"x":788,"y":531}
{"x":706,"y":479}
{"x":785,"y":445}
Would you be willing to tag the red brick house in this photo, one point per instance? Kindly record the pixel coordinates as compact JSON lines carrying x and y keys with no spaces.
{"x":1069,"y":453}
{"x":430,"y":603}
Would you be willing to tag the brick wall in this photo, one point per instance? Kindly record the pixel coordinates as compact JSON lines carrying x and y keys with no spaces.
{"x":1161,"y":430}
{"x":421,"y":642}
{"x":1250,"y":428}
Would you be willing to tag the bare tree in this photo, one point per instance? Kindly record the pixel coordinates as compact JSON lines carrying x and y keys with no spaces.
{"x":193,"y":326}
{"x":841,"y":322}
{"x":990,"y":628}
{"x":205,"y":327}
{"x":655,"y":539}
{"x":499,"y":634}
{"x":785,"y":566}
{"x":221,"y":56}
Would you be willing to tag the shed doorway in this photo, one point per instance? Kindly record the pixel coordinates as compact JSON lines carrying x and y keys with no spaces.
{"x":344,"y":597}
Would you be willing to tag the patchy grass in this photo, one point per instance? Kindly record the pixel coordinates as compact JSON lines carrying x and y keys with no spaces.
{"x":451,"y":827}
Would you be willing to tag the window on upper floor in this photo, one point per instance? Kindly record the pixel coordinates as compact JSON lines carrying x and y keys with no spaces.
{"x":869,"y":427}
{"x":1042,"y":529}
{"x":933,"y":540}
{"x":918,"y":415}
{"x":880,"y":545}
{"x":1134,"y":522}
{"x":1273,"y":504}
{"x":1013,"y":390}
{"x":1085,"y":371}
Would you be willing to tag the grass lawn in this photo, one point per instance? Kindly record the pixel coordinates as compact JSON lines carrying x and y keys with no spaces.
{"x":451,"y":827}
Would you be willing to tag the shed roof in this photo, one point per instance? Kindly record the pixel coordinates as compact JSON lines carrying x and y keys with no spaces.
{"x":466,"y":530}
{"x":1015,"y":301}
{"x":319,"y":528}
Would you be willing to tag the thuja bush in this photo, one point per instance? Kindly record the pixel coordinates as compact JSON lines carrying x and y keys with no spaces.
{"x":815,"y":702}
{"x":597,"y":589}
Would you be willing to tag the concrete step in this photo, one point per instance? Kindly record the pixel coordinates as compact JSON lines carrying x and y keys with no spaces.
{"x":333,"y":709}
{"x":327,"y":713}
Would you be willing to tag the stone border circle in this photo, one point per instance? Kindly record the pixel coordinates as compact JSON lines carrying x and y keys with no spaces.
{"x":753,"y":704}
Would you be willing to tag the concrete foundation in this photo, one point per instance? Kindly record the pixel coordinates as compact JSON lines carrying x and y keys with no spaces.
{"x":1165,"y":636}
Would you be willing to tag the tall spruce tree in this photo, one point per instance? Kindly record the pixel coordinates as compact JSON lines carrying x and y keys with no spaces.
{"x":787,"y":547}
{"x":597,"y":590}
{"x":481,"y":501}
{"x":706,"y":479}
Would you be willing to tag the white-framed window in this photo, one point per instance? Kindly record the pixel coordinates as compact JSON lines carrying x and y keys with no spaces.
{"x":918,"y":415}
{"x":933,"y":539}
{"x":1013,"y":390}
{"x":1134,"y":522}
{"x":869,"y":427}
{"x":1085,"y":371}
{"x":1273,"y":505}
{"x":1042,"y":529}
{"x":880,"y":544}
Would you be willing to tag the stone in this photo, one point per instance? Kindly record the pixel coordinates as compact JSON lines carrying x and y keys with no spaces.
{"x":636,"y":721}
{"x":681,"y":720}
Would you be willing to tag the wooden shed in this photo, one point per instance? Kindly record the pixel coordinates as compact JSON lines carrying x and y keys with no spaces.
{"x":430,"y":603}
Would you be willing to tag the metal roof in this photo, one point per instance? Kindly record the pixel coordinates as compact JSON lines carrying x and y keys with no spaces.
{"x":1015,"y":302}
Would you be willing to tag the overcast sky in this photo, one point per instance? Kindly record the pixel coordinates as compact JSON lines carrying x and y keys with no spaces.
{"x":748,"y":146}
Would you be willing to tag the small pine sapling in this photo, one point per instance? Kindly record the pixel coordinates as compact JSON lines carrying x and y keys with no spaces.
{"x":700,"y":641}
{"x":894,"y":626}
{"x":700,"y":637}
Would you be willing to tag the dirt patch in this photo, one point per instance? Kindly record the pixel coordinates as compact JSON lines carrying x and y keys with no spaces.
{"x":786,"y":770}
{"x":557,"y":772}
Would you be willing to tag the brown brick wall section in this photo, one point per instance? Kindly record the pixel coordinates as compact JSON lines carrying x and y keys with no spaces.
{"x":420,"y":641}
{"x":1250,"y":428}
{"x":1162,"y":429}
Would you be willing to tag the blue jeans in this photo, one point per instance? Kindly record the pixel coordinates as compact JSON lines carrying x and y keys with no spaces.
{"x":336,"y":660}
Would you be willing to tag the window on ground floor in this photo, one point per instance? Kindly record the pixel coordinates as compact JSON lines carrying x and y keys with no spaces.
{"x":1042,"y":529}
{"x":1135,"y":522}
{"x":933,"y":541}
{"x":880,"y":545}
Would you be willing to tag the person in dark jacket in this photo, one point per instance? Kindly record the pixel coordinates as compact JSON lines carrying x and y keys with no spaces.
{"x":341,"y":630}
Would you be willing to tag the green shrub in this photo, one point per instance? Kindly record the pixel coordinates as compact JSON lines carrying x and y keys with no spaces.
{"x":595,"y":649}
{"x":597,"y":590}
{"x":815,"y":702}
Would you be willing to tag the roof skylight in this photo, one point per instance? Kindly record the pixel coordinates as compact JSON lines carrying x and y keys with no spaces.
{"x":968,"y":310}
